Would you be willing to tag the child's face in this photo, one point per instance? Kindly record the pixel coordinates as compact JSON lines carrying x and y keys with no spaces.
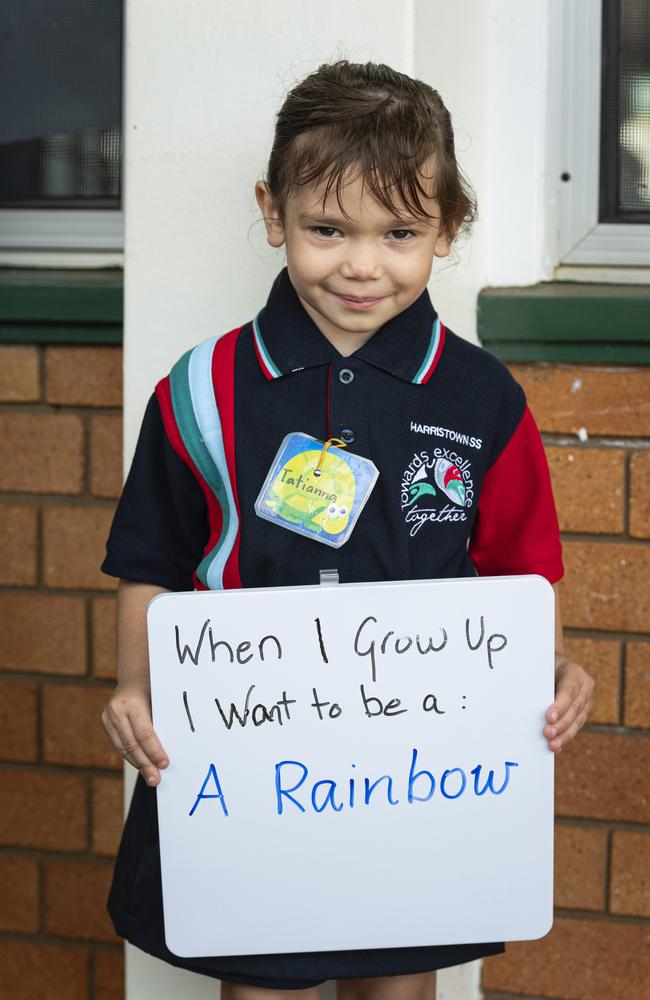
{"x":352,"y":275}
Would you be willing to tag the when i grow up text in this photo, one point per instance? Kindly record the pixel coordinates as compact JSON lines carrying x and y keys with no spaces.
{"x":371,"y":643}
{"x":296,"y":789}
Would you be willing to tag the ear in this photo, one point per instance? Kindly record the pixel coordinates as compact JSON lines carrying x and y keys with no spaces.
{"x":270,"y":214}
{"x":442,"y":246}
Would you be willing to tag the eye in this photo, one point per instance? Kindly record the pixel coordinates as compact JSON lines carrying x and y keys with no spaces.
{"x":343,"y":511}
{"x":331,"y":510}
{"x":402,"y":235}
{"x":325,"y":232}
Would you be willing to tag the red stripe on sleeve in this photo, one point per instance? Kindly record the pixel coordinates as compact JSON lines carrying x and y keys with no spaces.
{"x":215,"y":516}
{"x":223,"y":380}
{"x":516,"y":529}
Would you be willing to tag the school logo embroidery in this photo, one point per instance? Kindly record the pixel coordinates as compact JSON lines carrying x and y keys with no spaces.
{"x":436,"y":486}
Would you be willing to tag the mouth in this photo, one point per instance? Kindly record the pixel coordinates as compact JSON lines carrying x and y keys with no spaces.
{"x":358,"y":301}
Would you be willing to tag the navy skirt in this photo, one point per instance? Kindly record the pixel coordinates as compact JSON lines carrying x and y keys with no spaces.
{"x":135,"y":906}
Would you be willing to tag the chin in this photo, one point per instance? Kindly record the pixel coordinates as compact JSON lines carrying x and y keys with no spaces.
{"x":354,"y":324}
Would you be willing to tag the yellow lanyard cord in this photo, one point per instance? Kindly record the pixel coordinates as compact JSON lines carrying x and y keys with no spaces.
{"x":335,"y":441}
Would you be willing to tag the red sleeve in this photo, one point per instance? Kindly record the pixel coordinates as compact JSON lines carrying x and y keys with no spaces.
{"x":516,"y":529}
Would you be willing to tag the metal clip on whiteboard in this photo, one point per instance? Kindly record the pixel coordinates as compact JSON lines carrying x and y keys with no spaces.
{"x":329,"y":577}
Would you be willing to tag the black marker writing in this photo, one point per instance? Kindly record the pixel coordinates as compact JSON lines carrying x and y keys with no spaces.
{"x":239,"y":652}
{"x":187,"y":710}
{"x":392,"y":642}
{"x":234,"y":714}
{"x":374,"y":706}
{"x":333,"y":712}
{"x":259,"y":713}
{"x":495,"y":643}
{"x":430,"y":704}
{"x":480,"y":638}
{"x":320,"y":641}
{"x":194,"y":656}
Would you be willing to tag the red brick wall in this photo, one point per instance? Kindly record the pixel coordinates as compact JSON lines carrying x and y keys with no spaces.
{"x":60,"y":780}
{"x":599,"y":948}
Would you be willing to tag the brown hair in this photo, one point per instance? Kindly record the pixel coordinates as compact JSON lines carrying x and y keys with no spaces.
{"x":350,"y":119}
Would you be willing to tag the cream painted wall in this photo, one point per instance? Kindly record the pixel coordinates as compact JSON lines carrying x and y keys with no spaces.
{"x":450,"y":53}
{"x":203,"y":80}
{"x":496,"y":64}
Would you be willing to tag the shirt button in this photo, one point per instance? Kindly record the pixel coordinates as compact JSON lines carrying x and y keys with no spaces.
{"x":346,"y":376}
{"x":347,"y":435}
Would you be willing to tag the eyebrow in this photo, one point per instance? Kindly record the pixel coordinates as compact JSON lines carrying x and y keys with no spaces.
{"x":334,"y":222}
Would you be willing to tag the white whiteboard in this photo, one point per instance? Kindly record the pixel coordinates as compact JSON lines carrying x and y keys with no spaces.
{"x":354,"y":830}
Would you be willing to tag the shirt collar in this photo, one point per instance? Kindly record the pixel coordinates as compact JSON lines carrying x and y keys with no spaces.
{"x":287,"y":340}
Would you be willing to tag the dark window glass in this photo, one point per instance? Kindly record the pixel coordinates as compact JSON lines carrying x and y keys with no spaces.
{"x":625,"y":132}
{"x":60,"y":103}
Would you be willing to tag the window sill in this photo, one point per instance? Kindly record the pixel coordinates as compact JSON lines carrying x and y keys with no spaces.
{"x":566,"y":322}
{"x":61,"y":306}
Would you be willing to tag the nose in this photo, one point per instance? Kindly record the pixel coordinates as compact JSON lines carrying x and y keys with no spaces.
{"x":361,"y":261}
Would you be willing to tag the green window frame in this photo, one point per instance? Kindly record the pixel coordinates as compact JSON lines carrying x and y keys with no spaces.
{"x":567,"y":322}
{"x":61,"y":307}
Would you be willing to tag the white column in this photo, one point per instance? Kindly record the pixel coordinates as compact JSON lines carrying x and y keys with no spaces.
{"x":203,"y":81}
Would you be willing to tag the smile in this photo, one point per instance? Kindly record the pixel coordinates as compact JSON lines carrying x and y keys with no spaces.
{"x":354,"y":302}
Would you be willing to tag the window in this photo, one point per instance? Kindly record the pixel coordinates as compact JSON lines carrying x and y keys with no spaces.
{"x":61,"y":124}
{"x":625,"y":128}
{"x":605,"y":194}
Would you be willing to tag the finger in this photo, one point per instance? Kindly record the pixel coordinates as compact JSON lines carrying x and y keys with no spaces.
{"x":122,"y":712}
{"x":137,"y":755}
{"x":566,"y":719}
{"x":560,"y":743}
{"x":118,"y":743}
{"x":573,"y":685}
{"x":145,"y":735}
{"x":133,"y":753}
{"x":113,"y":735}
{"x":566,"y":693}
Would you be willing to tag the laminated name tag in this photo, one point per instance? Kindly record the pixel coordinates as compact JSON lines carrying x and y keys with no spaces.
{"x":316,"y":488}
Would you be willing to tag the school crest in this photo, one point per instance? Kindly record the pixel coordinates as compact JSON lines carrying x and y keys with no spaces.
{"x":437,"y":486}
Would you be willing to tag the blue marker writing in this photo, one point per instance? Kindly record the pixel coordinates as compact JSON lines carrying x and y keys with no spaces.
{"x":212,"y":773}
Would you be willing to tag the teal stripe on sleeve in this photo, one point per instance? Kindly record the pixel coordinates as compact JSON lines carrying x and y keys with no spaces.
{"x":191,"y":435}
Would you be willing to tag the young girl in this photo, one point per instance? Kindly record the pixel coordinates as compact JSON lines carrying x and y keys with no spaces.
{"x":362,"y":191}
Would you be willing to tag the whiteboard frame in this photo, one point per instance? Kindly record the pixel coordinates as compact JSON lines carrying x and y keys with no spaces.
{"x":533,"y":883}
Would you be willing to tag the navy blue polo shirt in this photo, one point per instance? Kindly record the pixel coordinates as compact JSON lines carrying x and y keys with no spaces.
{"x":463,"y":482}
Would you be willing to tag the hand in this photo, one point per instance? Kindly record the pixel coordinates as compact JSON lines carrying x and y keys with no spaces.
{"x":127,"y":720}
{"x":574,"y":690}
